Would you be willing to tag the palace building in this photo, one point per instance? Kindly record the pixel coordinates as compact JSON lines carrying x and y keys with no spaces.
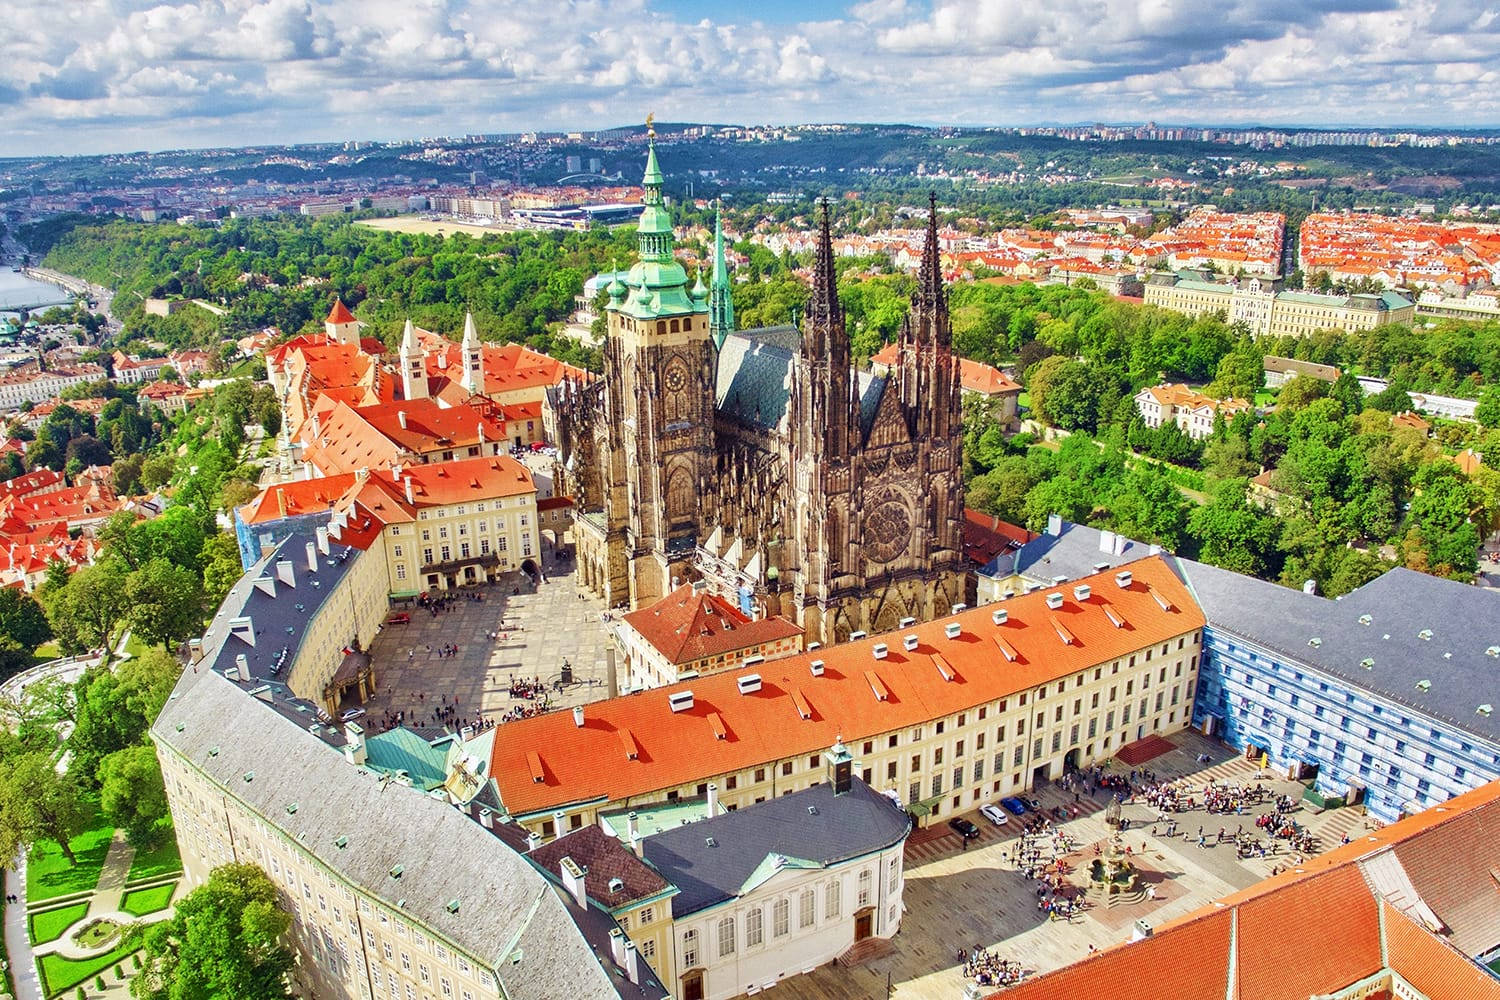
{"x":759,"y":460}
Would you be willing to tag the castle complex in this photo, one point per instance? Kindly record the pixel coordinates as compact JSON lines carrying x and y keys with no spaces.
{"x":759,"y":460}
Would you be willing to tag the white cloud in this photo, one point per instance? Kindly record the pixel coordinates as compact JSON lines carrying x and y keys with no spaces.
{"x":174,"y":72}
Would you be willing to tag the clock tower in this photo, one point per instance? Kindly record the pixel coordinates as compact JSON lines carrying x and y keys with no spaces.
{"x":659,"y":410}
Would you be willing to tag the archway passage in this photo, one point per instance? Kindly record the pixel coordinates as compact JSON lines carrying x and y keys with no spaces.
{"x":1070,"y":761}
{"x":528,"y":566}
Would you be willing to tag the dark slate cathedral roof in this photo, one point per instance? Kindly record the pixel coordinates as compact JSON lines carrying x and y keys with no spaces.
{"x":754,"y":382}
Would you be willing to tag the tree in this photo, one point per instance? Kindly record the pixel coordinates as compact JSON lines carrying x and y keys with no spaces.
{"x":132,"y":795}
{"x":115,"y":707}
{"x":1240,"y":373}
{"x":1233,"y":534}
{"x":36,"y":802}
{"x":1487,"y":412}
{"x":1440,"y":538}
{"x":85,"y":611}
{"x":22,"y":619}
{"x":164,"y":601}
{"x":221,"y":566}
{"x":157,"y":471}
{"x":223,"y":940}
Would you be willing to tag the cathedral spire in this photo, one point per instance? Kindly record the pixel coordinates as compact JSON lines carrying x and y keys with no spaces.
{"x":930,"y":275}
{"x":720,"y":300}
{"x":824,"y":315}
{"x":654,"y":232}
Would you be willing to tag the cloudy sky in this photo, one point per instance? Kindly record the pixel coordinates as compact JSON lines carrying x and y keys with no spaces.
{"x":102,"y":75}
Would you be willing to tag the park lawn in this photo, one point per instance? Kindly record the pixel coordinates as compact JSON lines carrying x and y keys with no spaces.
{"x":60,"y":974}
{"x":139,"y":902}
{"x":49,"y":925}
{"x":48,"y":874}
{"x":157,"y":861}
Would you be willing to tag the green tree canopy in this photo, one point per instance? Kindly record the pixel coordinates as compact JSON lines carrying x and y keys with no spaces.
{"x":224,"y":940}
{"x":132,"y":796}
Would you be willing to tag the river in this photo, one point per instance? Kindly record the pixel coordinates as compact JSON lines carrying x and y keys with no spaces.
{"x":19,"y":290}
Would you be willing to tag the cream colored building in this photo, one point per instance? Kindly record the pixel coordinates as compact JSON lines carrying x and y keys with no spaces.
{"x":394,"y":894}
{"x":692,"y":632}
{"x":1266,"y":310}
{"x":1045,"y":689}
{"x":1193,"y":412}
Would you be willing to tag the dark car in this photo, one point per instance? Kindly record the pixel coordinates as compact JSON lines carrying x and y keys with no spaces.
{"x":964,"y":828}
{"x":1014,"y":804}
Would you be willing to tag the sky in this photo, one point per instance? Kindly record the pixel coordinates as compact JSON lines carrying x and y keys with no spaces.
{"x":87,"y":76}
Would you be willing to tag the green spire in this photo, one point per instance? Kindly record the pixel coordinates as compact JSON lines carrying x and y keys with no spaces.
{"x":654,"y":233}
{"x":720,"y":301}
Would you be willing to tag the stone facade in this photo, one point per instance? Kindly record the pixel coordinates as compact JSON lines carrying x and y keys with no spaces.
{"x":759,"y":460}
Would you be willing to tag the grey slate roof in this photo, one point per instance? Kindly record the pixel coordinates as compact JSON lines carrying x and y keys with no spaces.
{"x":754,"y":379}
{"x":843,"y":827}
{"x":505,"y":905}
{"x":1401,"y":604}
{"x":1071,"y":554}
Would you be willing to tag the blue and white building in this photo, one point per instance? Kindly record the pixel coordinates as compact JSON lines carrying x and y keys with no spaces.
{"x":1386,"y":694}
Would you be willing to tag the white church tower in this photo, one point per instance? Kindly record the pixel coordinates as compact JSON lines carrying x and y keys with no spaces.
{"x":473,"y":381}
{"x":413,"y":365}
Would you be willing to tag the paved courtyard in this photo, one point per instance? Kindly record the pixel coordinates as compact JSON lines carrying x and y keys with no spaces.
{"x":536,"y":630}
{"x":970,"y":898}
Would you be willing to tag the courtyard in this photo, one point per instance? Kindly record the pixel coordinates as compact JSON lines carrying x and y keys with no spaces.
{"x":978,"y":897}
{"x":511,"y":632}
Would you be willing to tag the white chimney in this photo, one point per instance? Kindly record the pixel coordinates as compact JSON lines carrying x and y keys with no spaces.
{"x":312,"y":557}
{"x":713,"y":800}
{"x":284,"y":572}
{"x":999,"y":616}
{"x":1054,"y":600}
{"x":578,"y":716}
{"x":559,"y":819}
{"x":533,"y":841}
{"x":816,"y":666}
{"x":241,"y":670}
{"x":880,"y":650}
{"x":572,"y":879}
{"x":632,"y":970}
{"x":1123,"y":578}
{"x":633,"y":831}
{"x":1081,"y":592}
{"x":1054,"y":524}
{"x":909,"y":642}
{"x":617,"y":946}
{"x":401,"y":418}
{"x":1106,"y":541}
{"x":323,"y":539}
{"x":195,"y":650}
{"x":953,"y":630}
{"x":410,"y":493}
{"x":487,"y":818}
{"x":354,"y":748}
{"x":1120,"y":541}
{"x":1310,"y":586}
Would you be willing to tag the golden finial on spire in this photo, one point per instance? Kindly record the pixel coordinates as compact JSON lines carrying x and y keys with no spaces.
{"x":651,"y":125}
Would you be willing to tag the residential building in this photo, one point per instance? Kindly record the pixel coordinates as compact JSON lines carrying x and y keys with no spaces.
{"x":131,"y":369}
{"x":945,"y":715}
{"x":169,"y":397}
{"x":404,"y":432}
{"x":1280,"y":371}
{"x":32,"y":385}
{"x":442,"y":525}
{"x":1269,"y":311}
{"x":1064,"y":551}
{"x":1417,"y":916}
{"x":1383,"y":696}
{"x":1234,"y":243}
{"x":1193,"y":412}
{"x":692,"y":632}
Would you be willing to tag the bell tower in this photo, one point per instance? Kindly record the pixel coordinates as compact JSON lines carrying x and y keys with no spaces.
{"x":473,"y":381}
{"x":413,"y":365}
{"x":659,"y":405}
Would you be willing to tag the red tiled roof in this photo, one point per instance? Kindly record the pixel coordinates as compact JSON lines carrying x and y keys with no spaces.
{"x":1431,"y":964}
{"x":1289,"y":949}
{"x":986,"y":536}
{"x":603,"y":858}
{"x":339,"y":313}
{"x":679,"y":747}
{"x":686,"y":626}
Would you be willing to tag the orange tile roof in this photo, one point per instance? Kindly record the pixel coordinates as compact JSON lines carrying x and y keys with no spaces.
{"x":339,"y":313}
{"x":1431,"y":964}
{"x":678,"y":748}
{"x":352,"y":437}
{"x":1287,"y":947}
{"x":687,"y":625}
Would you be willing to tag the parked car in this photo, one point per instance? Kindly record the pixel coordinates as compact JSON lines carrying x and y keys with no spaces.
{"x":963,"y":828}
{"x":352,"y":714}
{"x":1013,"y":804}
{"x":993,"y":813}
{"x":400,"y":618}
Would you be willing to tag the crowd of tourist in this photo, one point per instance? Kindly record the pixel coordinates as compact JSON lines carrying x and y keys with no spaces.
{"x":988,"y":969}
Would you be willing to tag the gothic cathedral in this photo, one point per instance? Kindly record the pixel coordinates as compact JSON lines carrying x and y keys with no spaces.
{"x":760,"y":461}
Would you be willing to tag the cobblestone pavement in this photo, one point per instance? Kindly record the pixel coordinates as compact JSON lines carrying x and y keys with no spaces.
{"x":958,"y":898}
{"x":536,"y":630}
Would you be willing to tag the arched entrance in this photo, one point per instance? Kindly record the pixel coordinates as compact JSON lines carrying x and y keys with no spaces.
{"x":1070,"y":761}
{"x":528,"y":566}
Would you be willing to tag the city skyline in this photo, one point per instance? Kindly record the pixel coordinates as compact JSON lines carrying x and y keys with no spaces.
{"x":111,"y":75}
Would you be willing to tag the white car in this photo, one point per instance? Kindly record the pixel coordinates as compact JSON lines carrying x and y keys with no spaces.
{"x":993,"y":813}
{"x":352,"y":714}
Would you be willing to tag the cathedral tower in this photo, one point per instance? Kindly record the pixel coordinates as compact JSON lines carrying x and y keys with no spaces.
{"x":720,"y":299}
{"x":473,"y":380}
{"x":341,"y":327}
{"x":659,"y":411}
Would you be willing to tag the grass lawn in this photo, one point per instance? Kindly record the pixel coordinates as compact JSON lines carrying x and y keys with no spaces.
{"x":61,"y":974}
{"x":160,"y":860}
{"x":48,"y":874}
{"x":50,"y":924}
{"x":139,"y":902}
